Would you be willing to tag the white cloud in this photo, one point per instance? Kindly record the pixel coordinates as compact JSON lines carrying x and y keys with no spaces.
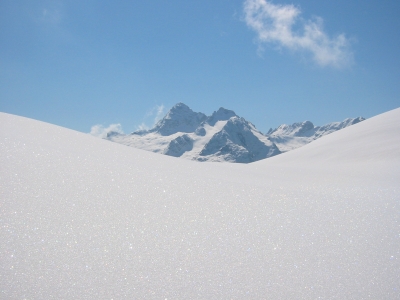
{"x":160,"y":112}
{"x":142,"y":126}
{"x":101,"y":132}
{"x":274,"y":24}
{"x":154,"y":115}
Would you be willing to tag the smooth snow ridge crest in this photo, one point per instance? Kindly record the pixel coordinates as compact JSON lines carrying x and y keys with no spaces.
{"x":84,"y":218}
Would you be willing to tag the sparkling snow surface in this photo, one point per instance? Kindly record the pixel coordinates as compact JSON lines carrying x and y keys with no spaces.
{"x":85,"y":218}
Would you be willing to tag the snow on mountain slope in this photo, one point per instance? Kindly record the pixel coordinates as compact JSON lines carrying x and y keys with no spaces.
{"x":289,"y":137}
{"x":180,"y":118}
{"x":238,"y":141}
{"x":84,"y":218}
{"x":179,"y":145}
{"x":223,"y":136}
{"x":221,"y":114}
{"x":375,"y":140}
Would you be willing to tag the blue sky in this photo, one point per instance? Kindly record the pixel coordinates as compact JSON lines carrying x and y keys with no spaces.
{"x":81,"y":63}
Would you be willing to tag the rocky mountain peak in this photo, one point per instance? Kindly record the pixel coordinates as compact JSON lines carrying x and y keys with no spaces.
{"x":222,"y":114}
{"x":239,"y":141}
{"x":223,"y":136}
{"x":180,"y":118}
{"x":180,"y":108}
{"x":295,"y":129}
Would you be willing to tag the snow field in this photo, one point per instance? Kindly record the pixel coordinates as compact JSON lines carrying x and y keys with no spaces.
{"x":85,"y":218}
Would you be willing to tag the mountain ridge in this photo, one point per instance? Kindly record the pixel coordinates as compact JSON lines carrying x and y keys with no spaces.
{"x":289,"y":137}
{"x":222,"y":137}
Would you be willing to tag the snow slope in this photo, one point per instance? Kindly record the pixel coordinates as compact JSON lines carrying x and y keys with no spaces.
{"x":84,"y":218}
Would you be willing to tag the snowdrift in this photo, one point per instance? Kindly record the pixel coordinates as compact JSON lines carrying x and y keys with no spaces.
{"x":85,"y":218}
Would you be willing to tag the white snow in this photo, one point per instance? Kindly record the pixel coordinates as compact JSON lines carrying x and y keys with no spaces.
{"x":289,"y":137}
{"x":221,"y":137}
{"x":85,"y":218}
{"x":200,"y":141}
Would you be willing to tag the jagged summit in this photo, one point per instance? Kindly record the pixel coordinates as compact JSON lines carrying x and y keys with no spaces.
{"x":332,"y":127}
{"x":180,"y":106}
{"x":239,"y":141}
{"x":223,"y":136}
{"x":307,"y":128}
{"x":296,"y":129}
{"x":289,"y":137}
{"x":222,"y":114}
{"x":180,"y":118}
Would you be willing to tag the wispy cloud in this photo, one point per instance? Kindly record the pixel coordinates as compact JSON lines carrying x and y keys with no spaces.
{"x":142,"y":126}
{"x":154,"y":115}
{"x":157,"y":111}
{"x":274,"y":23}
{"x":101,"y":131}
{"x":52,"y":16}
{"x":160,"y":112}
{"x":47,"y":12}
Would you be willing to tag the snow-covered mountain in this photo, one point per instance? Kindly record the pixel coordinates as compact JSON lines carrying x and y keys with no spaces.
{"x":180,"y":118}
{"x":223,"y":136}
{"x":83,"y":218}
{"x":289,"y":137}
